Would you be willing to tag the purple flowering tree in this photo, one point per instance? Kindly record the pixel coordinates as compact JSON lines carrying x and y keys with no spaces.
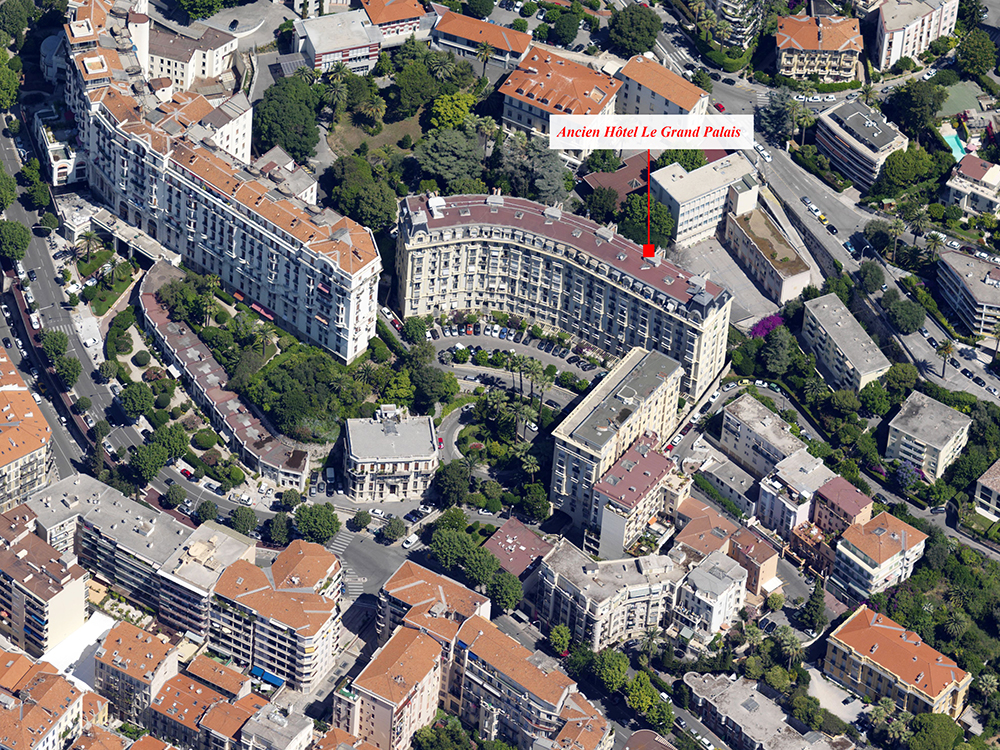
{"x":906,"y":475}
{"x":765,"y":325}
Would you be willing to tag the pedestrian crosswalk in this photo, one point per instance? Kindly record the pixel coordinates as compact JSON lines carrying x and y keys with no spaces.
{"x":354,"y":585}
{"x":340,"y":542}
{"x":763,"y":98}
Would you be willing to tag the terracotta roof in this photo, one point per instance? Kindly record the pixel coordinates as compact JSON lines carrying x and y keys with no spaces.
{"x":403,"y":662}
{"x":898,"y":651}
{"x":706,"y":531}
{"x":990,"y":479}
{"x":185,"y":701}
{"x":482,"y":638}
{"x":133,"y":651}
{"x":179,"y":47}
{"x":149,"y":742}
{"x":252,"y":702}
{"x":585,"y":727}
{"x":826,"y":34}
{"x":974,"y":167}
{"x":94,"y":707}
{"x":333,"y":739}
{"x":23,"y":429}
{"x":516,"y":546}
{"x":436,"y":603}
{"x":478,"y":32}
{"x":845,"y":496}
{"x":225,"y":719}
{"x":883,"y":537}
{"x":13,"y":668}
{"x":96,"y":738}
{"x":44,"y":700}
{"x":217,"y":675}
{"x":629,"y":178}
{"x":303,"y":565}
{"x":391,"y":11}
{"x":559,"y":86}
{"x":752,"y":545}
{"x":37,"y":567}
{"x":663,"y":81}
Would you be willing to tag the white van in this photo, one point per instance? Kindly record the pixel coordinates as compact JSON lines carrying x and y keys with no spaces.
{"x":410,"y":541}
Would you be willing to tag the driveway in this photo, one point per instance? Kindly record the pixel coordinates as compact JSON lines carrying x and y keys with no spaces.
{"x":831,"y":696}
{"x":711,"y":260}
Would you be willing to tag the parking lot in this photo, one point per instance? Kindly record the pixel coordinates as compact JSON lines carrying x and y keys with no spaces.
{"x":507,"y":11}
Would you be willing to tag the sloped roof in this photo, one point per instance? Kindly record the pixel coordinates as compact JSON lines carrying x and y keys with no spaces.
{"x":478,"y":32}
{"x":825,"y":34}
{"x":558,"y":85}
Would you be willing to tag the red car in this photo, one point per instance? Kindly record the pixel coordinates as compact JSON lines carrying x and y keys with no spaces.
{"x":670,"y":447}
{"x":440,"y":442}
{"x":720,"y":107}
{"x":468,"y":330}
{"x":687,"y":429}
{"x":187,"y":474}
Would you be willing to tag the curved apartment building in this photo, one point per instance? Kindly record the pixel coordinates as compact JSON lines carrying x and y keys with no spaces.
{"x":478,"y":252}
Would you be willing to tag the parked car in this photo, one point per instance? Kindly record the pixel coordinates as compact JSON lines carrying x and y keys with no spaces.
{"x":378,"y":513}
{"x":187,"y":474}
{"x":719,"y":106}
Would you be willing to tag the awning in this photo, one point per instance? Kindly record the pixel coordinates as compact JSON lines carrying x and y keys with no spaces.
{"x":256,"y":672}
{"x":263,"y":311}
{"x":272,"y":679}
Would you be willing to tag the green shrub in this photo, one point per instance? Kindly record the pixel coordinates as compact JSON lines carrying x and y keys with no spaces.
{"x":205,"y":439}
{"x":162,"y":401}
{"x":159,"y":418}
{"x":221,"y":317}
{"x":89,"y":293}
{"x":225,"y":296}
{"x":176,"y":413}
{"x":141,"y":359}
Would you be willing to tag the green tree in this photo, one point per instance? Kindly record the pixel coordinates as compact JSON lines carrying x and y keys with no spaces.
{"x":317,"y":523}
{"x":287,"y":117}
{"x":702,"y":80}
{"x":641,"y":694}
{"x":452,"y":484}
{"x":394,"y":530}
{"x":813,"y":614}
{"x":774,"y":120}
{"x":414,"y":330}
{"x":602,"y":204}
{"x":536,"y":503}
{"x":484,"y":53}
{"x":243,"y":520}
{"x":775,"y":602}
{"x":636,"y":212}
{"x":603,"y":160}
{"x":147,"y":460}
{"x":451,"y":110}
{"x":8,"y":190}
{"x":907,"y":316}
{"x":689,"y":158}
{"x":356,"y":193}
{"x":871,"y":276}
{"x":10,"y":82}
{"x":14,"y":239}
{"x":362,"y":519}
{"x":109,"y":369}
{"x":752,"y":668}
{"x":559,"y":639}
{"x":207,"y":511}
{"x":54,"y":344}
{"x":934,"y":732}
{"x":505,"y":591}
{"x":416,"y":87}
{"x":450,"y":155}
{"x":916,"y":105}
{"x":633,"y":30}
{"x":977,"y":55}
{"x":479,"y":8}
{"x":480,"y":566}
{"x":564,"y":30}
{"x":777,"y":351}
{"x":82,"y":405}
{"x":875,"y":399}
{"x":519,"y":24}
{"x":175,"y":496}
{"x":173,"y":437}
{"x":291,"y":498}
{"x":611,"y":668}
{"x":136,"y":399}
{"x":277,"y":529}
{"x":450,"y":546}
{"x":68,"y":369}
{"x":454,"y":519}
{"x":845,"y":401}
{"x":777,"y":678}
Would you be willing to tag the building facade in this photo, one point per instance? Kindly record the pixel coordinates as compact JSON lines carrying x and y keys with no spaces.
{"x":391,"y":456}
{"x":874,"y":657}
{"x":970,"y":285}
{"x":397,"y":20}
{"x":184,"y":59}
{"x":562,"y":271}
{"x":130,"y":668}
{"x":26,"y":461}
{"x":756,"y":438}
{"x":711,"y":596}
{"x":838,"y":504}
{"x":700,"y":201}
{"x":857,"y":140}
{"x":987,"y":494}
{"x":764,"y":250}
{"x":827,"y":46}
{"x":905,"y":28}
{"x":463,"y":35}
{"x":928,"y":434}
{"x":874,"y":556}
{"x":841,"y":345}
{"x":649,"y":88}
{"x":347,"y":38}
{"x":786,"y":493}
{"x":974,"y":185}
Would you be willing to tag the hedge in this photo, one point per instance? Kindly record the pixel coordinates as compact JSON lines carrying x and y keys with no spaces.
{"x":709,"y":489}
{"x":831,"y":178}
{"x":225,"y":296}
{"x":159,"y":418}
{"x":821,"y":88}
{"x":988,"y":85}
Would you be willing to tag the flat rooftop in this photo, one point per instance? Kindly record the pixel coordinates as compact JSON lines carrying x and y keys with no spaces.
{"x":898,"y":14}
{"x":848,"y":335}
{"x":391,"y":438}
{"x":684,"y":186}
{"x":600,"y":415}
{"x":603,"y":580}
{"x":337,"y":31}
{"x":868,"y":127}
{"x":802,"y":473}
{"x":635,"y":474}
{"x":772,"y":243}
{"x":765,"y":423}
{"x":980,"y":277}
{"x":207,"y":552}
{"x":716,"y":574}
{"x":929,"y":421}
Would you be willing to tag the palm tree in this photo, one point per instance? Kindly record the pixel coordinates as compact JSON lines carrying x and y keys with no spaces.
{"x":441,"y":65}
{"x":337,"y":72}
{"x":934,"y":242}
{"x":530,"y":465}
{"x":535,"y":369}
{"x":899,"y":730}
{"x":544,"y":383}
{"x":896,"y":229}
{"x":108,"y":272}
{"x":919,"y":224}
{"x":956,"y":624}
{"x":336,"y":93}
{"x":649,"y":639}
{"x":373,"y":108}
{"x":868,"y":94}
{"x":754,"y":636}
{"x":496,"y":401}
{"x":789,"y":643}
{"x":518,"y":364}
{"x":88,"y":243}
{"x":698,"y":7}
{"x":803,"y":117}
{"x":208,"y":307}
{"x":987,"y":684}
{"x":307,"y":74}
{"x":710,"y":20}
{"x":813,"y":388}
{"x":944,"y":352}
{"x":471,"y":462}
{"x":366,"y":372}
{"x":483,"y":53}
{"x":723,"y":29}
{"x":881,"y":711}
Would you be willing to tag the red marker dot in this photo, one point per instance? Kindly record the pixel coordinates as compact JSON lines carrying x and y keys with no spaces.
{"x":648,"y":251}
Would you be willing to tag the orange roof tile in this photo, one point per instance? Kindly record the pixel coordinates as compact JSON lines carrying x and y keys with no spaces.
{"x":132,"y":651}
{"x":707,"y":530}
{"x":149,"y":742}
{"x":185,"y":701}
{"x":479,"y":32}
{"x":511,"y":659}
{"x":217,"y":675}
{"x":391,"y":11}
{"x":337,"y":737}
{"x":825,"y":34}
{"x":663,"y":81}
{"x":13,"y":668}
{"x":23,"y":429}
{"x":559,"y":86}
{"x":94,"y":707}
{"x":252,"y":702}
{"x":225,"y":719}
{"x":403,"y":662}
{"x":883,"y":537}
{"x":898,"y":651}
{"x":303,"y":565}
{"x":96,"y":738}
{"x":585,"y":727}
{"x":753,"y":546}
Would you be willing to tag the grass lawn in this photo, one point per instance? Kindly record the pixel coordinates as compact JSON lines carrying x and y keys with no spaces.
{"x":97,"y":260}
{"x":345,"y":138}
{"x":105,"y":299}
{"x":961,"y":96}
{"x":457,"y":403}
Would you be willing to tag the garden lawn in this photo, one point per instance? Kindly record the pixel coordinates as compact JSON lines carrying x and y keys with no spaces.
{"x":97,"y":260}
{"x":345,"y":138}
{"x":105,"y":299}
{"x":961,"y":96}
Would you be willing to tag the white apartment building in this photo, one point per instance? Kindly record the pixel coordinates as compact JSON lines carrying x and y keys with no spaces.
{"x":743,"y":17}
{"x":786,"y":494}
{"x":479,"y":252}
{"x":544,"y":84}
{"x":928,"y":434}
{"x":755,"y":437}
{"x":649,"y":88}
{"x":700,"y":201}
{"x":391,"y":456}
{"x":284,"y":622}
{"x":970,"y":285}
{"x":607,"y":602}
{"x":637,"y":397}
{"x":711,"y":596}
{"x":184,"y":59}
{"x":348,"y":38}
{"x":907,"y":27}
{"x":163,"y":169}
{"x":857,"y":140}
{"x":874,"y":556}
{"x":130,"y":668}
{"x":764,"y":250}
{"x":974,"y":185}
{"x":56,"y":135}
{"x":842,"y":347}
{"x":26,"y":457}
{"x":987,"y":494}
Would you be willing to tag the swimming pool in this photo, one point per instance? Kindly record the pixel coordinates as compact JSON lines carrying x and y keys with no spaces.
{"x":957,"y":149}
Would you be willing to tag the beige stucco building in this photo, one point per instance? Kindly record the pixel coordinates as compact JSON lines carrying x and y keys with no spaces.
{"x":852,"y":360}
{"x":391,"y":456}
{"x":764,"y":250}
{"x":827,"y":46}
{"x":928,"y":434}
{"x":131,"y":666}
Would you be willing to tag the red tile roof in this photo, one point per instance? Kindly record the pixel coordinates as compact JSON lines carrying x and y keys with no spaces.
{"x":663,"y":81}
{"x":706,"y":530}
{"x":402,"y":663}
{"x":391,"y":11}
{"x":560,"y":86}
{"x":974,"y":167}
{"x":826,"y":34}
{"x":845,"y":496}
{"x":883,"y":537}
{"x":516,"y":546}
{"x":478,"y":32}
